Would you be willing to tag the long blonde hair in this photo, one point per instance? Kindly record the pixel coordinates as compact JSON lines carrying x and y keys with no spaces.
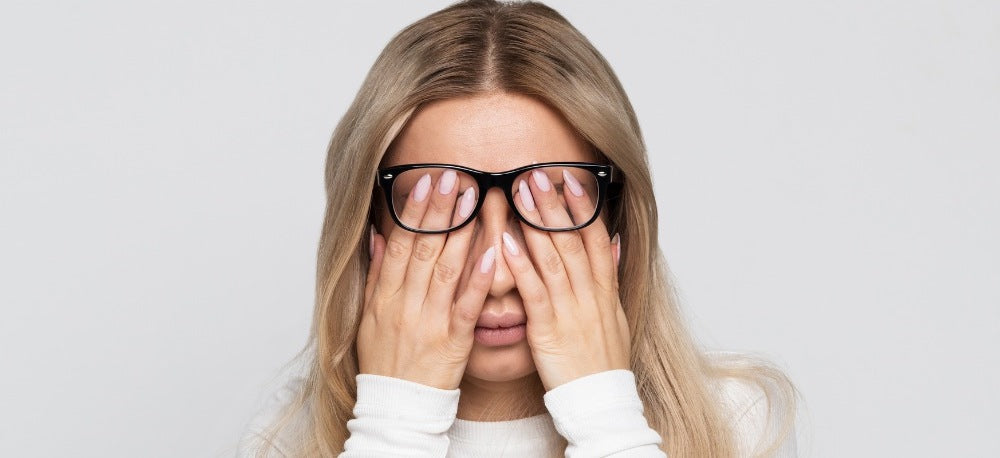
{"x":479,"y":46}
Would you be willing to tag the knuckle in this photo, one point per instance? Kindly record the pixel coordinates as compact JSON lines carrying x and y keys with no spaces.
{"x":603,"y":243}
{"x":444,"y":273}
{"x":423,"y":250}
{"x":572,"y":244}
{"x":551,"y":204}
{"x":552,"y":263}
{"x":536,"y":296}
{"x":608,"y":289}
{"x":396,"y":249}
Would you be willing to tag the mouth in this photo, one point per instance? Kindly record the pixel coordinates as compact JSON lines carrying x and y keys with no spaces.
{"x":500,"y":335}
{"x":501,"y":327}
{"x":505,"y":320}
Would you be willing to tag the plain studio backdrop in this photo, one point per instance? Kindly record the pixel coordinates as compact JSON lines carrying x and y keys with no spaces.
{"x":826,"y":175}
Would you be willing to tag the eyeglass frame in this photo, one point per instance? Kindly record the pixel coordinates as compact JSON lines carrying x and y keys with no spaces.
{"x":607,"y":180}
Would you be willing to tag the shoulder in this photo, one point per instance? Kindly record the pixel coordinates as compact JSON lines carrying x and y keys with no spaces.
{"x":758,"y":403}
{"x":257,"y":436}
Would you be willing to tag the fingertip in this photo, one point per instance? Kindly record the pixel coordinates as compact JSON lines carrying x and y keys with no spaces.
{"x":510,"y":244}
{"x":488,"y":261}
{"x":471,"y":301}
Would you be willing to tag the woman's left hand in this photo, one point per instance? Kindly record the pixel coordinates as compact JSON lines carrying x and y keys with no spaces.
{"x":575,"y":322}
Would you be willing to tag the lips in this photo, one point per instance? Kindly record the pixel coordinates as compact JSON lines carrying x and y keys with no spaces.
{"x":506,"y":320}
{"x":500,"y":337}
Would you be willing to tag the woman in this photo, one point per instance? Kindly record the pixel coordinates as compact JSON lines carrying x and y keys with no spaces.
{"x":489,"y":277}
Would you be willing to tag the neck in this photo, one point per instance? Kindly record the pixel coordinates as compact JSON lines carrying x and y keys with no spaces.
{"x":484,"y":400}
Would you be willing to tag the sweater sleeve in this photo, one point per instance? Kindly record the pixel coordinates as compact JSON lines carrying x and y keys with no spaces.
{"x":396,"y":417}
{"x":602,"y":415}
{"x":758,"y":420}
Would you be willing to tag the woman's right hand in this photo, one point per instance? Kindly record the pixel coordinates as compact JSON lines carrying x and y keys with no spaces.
{"x":414,"y":326}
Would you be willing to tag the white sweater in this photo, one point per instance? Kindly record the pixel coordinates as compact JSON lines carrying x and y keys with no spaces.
{"x":597,"y":415}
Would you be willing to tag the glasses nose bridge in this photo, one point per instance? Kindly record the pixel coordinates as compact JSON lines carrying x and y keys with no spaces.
{"x":492,"y":180}
{"x":502,"y":180}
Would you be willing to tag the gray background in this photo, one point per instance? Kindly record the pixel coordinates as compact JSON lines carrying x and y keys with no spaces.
{"x":826,"y":176}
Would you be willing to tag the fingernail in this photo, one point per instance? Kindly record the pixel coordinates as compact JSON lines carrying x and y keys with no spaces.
{"x":468,"y":203}
{"x":422,"y":187}
{"x":508,"y":242}
{"x":525,"y":193}
{"x":488,"y":259}
{"x":447,"y":182}
{"x":574,"y":186}
{"x":541,"y":180}
{"x":371,"y":241}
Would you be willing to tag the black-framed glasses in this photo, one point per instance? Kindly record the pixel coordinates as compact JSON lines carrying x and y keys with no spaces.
{"x":550,"y":196}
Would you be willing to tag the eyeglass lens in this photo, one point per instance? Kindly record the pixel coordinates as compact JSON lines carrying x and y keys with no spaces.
{"x":551,"y":197}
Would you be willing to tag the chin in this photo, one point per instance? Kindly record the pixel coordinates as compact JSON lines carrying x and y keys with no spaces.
{"x":500,"y":364}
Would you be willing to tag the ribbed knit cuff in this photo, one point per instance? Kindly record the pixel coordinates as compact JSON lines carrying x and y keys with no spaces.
{"x":601,"y":414}
{"x":389,"y":397}
{"x":396,"y":417}
{"x":608,"y":390}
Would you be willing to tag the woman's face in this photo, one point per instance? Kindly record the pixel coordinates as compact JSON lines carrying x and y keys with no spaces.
{"x":491,"y":132}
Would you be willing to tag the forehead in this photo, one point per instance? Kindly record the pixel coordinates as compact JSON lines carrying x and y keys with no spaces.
{"x":491,"y":132}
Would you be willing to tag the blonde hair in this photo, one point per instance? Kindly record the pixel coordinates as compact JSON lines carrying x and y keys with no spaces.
{"x":481,"y":46}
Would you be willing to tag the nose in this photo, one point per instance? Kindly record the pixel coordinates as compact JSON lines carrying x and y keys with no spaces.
{"x":494,"y":218}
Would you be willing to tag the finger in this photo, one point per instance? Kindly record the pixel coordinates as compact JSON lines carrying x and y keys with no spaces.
{"x":453,"y":257}
{"x":466,"y":310}
{"x":595,"y":235}
{"x":534,"y":294}
{"x":376,"y":247}
{"x":427,"y":247}
{"x":546,"y":259}
{"x":560,"y":256}
{"x":399,"y":245}
{"x":552,"y":206}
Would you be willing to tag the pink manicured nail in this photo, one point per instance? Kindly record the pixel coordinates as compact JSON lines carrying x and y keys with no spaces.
{"x":447,"y":182}
{"x":574,"y":186}
{"x":525,"y":193}
{"x":371,"y":241}
{"x":422,"y":187}
{"x":467,"y":204}
{"x":508,"y":242}
{"x":541,"y":180}
{"x":488,"y":259}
